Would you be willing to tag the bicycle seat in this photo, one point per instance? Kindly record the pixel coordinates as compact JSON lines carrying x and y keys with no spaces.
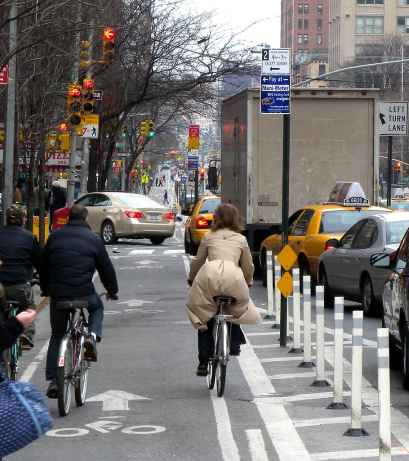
{"x":71,"y":305}
{"x":227,"y":300}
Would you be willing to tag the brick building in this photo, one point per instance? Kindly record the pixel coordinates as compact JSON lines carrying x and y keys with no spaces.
{"x":304,"y":29}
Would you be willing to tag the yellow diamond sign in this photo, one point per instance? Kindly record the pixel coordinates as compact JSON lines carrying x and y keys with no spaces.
{"x":285,"y":285}
{"x":287,"y":257}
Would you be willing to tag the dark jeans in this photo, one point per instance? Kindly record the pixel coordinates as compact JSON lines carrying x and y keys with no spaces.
{"x":59,"y":323}
{"x":206,"y":342}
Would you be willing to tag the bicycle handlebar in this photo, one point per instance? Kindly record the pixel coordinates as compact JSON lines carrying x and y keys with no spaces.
{"x":113,"y":297}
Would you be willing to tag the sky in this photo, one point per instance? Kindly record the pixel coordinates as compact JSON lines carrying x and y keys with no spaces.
{"x":238,"y":15}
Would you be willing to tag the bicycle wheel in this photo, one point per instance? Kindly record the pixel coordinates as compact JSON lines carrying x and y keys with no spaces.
{"x":221,"y":379}
{"x":211,"y":373}
{"x":81,"y":382}
{"x":64,"y":380}
{"x":11,"y":357}
{"x":223,"y":354}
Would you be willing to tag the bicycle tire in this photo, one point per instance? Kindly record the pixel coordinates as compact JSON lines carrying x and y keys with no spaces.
{"x":64,"y":381}
{"x":221,"y":379}
{"x":81,"y":383}
{"x":211,"y":373}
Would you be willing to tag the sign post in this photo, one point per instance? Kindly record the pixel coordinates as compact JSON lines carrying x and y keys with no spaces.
{"x":275,"y":98}
{"x":392,"y":121}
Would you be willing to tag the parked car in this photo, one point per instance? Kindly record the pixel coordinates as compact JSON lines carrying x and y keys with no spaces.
{"x":395,"y":303}
{"x":310,"y":228}
{"x":119,"y":214}
{"x":346,"y":270}
{"x":200,"y":222}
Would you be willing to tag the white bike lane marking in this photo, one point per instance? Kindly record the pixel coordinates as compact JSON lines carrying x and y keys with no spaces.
{"x":228,"y":446}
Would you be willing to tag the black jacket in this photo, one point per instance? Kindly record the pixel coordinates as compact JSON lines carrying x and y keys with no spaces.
{"x":10,"y":330}
{"x":71,"y":256}
{"x":19,"y":252}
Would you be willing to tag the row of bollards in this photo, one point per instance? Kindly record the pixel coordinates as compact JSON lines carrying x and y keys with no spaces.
{"x":305,"y":346}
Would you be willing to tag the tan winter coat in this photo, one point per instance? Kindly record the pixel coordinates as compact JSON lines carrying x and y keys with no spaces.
{"x":223,"y":266}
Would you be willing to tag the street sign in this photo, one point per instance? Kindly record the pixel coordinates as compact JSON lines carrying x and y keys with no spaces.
{"x":194,"y":137}
{"x":90,"y":126}
{"x":193,"y":162}
{"x":97,"y":95}
{"x":285,"y":285}
{"x":275,"y":81}
{"x":392,"y":118}
{"x":287,"y":257}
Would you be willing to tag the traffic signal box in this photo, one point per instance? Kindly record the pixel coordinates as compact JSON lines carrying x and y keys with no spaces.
{"x":85,"y":56}
{"x":88,"y":102}
{"x":108,"y":45}
{"x":147,"y":129}
{"x":74,"y":104}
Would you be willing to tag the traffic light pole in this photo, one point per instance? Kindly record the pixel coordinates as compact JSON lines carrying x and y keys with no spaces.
{"x":8,"y":162}
{"x":196,"y":185}
{"x":390,"y":167}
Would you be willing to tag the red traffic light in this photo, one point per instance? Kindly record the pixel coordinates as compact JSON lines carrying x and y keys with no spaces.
{"x":109,"y":34}
{"x":63,"y":127}
{"x":88,"y":84}
{"x":74,"y":92}
{"x":202,"y":171}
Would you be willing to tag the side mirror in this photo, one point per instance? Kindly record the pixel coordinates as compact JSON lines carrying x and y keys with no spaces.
{"x":381,"y":260}
{"x":332,"y":243}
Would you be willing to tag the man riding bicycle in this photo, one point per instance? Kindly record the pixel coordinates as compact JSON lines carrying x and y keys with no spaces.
{"x":71,"y":257}
{"x":19,"y":253}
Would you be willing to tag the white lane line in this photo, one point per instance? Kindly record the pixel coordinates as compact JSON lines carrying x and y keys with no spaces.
{"x":173,"y":252}
{"x":266,"y":346}
{"x":286,"y":440}
{"x":305,"y":374}
{"x":355,"y":454}
{"x":264,"y":333}
{"x":335,"y":420}
{"x":141,"y":252}
{"x":228,"y":446}
{"x":400,"y":422}
{"x":257,"y":447}
{"x":32,"y":367}
{"x":297,"y":398}
{"x":227,"y":443}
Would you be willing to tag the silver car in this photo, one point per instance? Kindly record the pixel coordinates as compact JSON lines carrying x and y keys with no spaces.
{"x":345,"y":269}
{"x":121,"y":214}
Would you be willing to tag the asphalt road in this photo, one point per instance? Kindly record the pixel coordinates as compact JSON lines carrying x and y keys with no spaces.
{"x":146,"y":404}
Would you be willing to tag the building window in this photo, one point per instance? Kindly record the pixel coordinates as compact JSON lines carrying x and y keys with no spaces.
{"x":321,"y":69}
{"x":403,"y":24}
{"x":299,"y":39}
{"x":305,"y":23}
{"x":305,"y":38}
{"x":306,"y":8}
{"x":319,"y":39}
{"x":369,"y":24}
{"x":370,"y":2}
{"x":320,"y":9}
{"x":319,"y":24}
{"x":404,"y":2}
{"x":300,"y":8}
{"x":300,"y":23}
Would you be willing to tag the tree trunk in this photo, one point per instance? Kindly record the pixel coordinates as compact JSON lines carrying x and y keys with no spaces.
{"x":106,"y":165}
{"x":93,"y":167}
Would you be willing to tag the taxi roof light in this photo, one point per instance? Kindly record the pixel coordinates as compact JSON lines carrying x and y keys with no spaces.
{"x":348,"y":194}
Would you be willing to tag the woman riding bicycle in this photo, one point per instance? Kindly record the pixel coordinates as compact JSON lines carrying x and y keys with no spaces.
{"x":223,"y":266}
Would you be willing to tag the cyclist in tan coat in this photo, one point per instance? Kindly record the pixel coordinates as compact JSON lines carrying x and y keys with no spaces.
{"x":223,"y":266}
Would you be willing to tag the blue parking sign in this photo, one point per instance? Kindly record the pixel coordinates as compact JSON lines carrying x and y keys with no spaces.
{"x":275,"y":92}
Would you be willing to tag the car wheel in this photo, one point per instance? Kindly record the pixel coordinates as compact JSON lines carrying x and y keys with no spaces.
{"x":157,"y":240}
{"x":368,"y":298}
{"x":405,"y":368}
{"x":187,"y":246}
{"x":193,"y":247}
{"x":108,"y":233}
{"x":328,"y":294}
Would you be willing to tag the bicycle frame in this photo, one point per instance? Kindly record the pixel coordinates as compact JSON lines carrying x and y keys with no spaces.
{"x":13,"y":354}
{"x":221,"y":334}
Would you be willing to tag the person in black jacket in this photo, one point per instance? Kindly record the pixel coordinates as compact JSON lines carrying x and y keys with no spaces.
{"x":70,"y":259}
{"x":19,"y":253}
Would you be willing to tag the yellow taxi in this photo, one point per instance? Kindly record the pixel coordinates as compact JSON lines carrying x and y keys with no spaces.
{"x":313,"y":226}
{"x":199,"y":222}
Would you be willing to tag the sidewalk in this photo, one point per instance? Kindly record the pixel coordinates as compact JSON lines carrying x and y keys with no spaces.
{"x":315,"y":429}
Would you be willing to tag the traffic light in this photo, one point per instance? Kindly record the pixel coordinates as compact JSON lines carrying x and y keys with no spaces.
{"x":74,"y":104}
{"x":397,"y":166}
{"x":85,"y":57}
{"x":151,"y":129}
{"x":202,"y":172}
{"x":108,"y":44}
{"x":88,"y":103}
{"x":143,"y":128}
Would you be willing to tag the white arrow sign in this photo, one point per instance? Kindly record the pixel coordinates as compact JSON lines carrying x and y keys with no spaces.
{"x":115,"y":400}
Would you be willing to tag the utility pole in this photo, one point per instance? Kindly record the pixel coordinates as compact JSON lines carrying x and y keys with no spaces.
{"x":74,"y":137}
{"x":8,"y":193}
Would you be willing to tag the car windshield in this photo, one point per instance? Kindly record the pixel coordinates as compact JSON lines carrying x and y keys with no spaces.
{"x":138,"y":201}
{"x":209,"y":206}
{"x":395,"y":231}
{"x":339,"y":221}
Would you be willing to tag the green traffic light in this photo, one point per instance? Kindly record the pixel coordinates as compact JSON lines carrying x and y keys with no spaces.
{"x":151,"y":134}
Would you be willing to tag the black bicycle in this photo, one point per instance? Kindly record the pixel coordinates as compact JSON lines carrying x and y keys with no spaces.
{"x":72,"y":367}
{"x":11,"y":356}
{"x":217,"y":366}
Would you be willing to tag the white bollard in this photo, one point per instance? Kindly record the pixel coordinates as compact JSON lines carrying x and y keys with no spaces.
{"x":270,"y":299}
{"x":277,"y":294}
{"x":384,"y":392}
{"x":307,"y":363}
{"x":338,"y":401}
{"x":296,"y":349}
{"x":320,"y":380}
{"x":356,"y":429}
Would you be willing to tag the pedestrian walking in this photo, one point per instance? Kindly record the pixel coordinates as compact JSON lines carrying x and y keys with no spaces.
{"x":165,"y":198}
